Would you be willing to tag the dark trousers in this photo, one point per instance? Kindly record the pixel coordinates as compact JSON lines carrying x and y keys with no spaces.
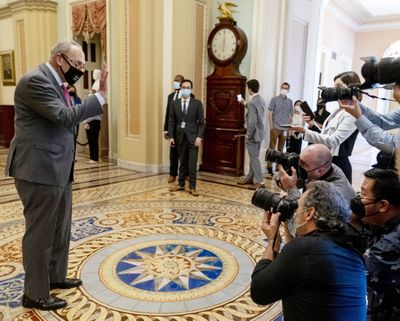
{"x":293,"y":145}
{"x":45,"y":245}
{"x":173,"y":161}
{"x":344,"y":164}
{"x":187,"y":162}
{"x":93,"y":138}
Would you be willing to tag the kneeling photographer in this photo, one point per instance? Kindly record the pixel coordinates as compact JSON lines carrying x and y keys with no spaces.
{"x":373,"y":125}
{"x":318,"y":275}
{"x":314,"y":163}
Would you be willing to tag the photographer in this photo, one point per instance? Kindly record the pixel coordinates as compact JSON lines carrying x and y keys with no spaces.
{"x":315,"y":163}
{"x":338,"y":131}
{"x":378,"y":205}
{"x":317,"y":275}
{"x":372,"y":125}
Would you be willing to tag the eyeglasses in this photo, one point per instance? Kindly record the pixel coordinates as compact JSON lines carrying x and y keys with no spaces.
{"x":311,"y":170}
{"x":78,"y":65}
{"x":362,"y":196}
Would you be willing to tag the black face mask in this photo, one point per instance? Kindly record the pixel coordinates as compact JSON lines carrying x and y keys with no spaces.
{"x":72,"y":93}
{"x":73,"y":74}
{"x":358,"y":207}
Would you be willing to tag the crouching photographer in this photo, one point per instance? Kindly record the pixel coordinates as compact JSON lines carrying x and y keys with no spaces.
{"x":318,"y":275}
{"x":373,"y":125}
{"x":314,"y":163}
{"x":378,"y":205}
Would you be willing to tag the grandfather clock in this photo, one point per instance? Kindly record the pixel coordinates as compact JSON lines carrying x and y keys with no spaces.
{"x":223,"y":148}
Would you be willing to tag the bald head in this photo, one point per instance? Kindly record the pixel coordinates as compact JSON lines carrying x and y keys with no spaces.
{"x":316,"y":156}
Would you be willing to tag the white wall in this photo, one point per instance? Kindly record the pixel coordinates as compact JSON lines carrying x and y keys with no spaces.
{"x":307,"y":12}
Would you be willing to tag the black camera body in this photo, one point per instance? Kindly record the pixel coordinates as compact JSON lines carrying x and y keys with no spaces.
{"x":287,"y":160}
{"x":273,"y":202}
{"x":338,"y":93}
{"x":380,"y":71}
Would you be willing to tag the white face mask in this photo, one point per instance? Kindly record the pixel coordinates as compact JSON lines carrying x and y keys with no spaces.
{"x":284,"y":92}
{"x":297,"y":109}
{"x":177,"y":85}
{"x":292,"y":226}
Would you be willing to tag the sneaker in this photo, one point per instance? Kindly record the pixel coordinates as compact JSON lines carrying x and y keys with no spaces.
{"x":193,"y":192}
{"x":171,"y":179}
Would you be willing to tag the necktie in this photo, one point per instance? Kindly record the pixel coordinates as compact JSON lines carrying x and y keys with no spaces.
{"x":66,"y":95}
{"x":184,"y":108}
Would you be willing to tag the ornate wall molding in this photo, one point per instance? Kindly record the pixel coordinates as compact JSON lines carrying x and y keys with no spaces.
{"x":20,"y":5}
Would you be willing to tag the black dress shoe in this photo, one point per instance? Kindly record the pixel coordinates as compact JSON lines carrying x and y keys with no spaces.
{"x":66,"y":284}
{"x":48,"y":303}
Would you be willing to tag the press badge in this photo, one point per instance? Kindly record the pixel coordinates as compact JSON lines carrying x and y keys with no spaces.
{"x":183,"y":125}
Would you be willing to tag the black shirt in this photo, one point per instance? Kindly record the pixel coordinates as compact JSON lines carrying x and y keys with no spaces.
{"x":316,"y":279}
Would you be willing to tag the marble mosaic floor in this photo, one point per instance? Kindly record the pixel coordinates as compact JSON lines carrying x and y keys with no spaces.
{"x":144,"y":253}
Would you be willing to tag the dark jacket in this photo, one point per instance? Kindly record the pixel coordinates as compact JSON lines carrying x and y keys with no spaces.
{"x":194,"y":121}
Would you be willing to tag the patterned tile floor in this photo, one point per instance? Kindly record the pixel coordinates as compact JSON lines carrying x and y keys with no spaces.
{"x":145,"y":253}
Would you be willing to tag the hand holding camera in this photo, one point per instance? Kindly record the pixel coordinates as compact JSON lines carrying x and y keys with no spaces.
{"x":287,"y":182}
{"x":270,"y":227}
{"x":351,"y":106}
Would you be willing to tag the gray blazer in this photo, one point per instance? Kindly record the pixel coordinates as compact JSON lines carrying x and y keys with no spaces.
{"x":255,"y":119}
{"x":42,"y":150}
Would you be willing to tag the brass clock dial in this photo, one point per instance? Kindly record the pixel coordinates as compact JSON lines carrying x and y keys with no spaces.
{"x":224,"y":44}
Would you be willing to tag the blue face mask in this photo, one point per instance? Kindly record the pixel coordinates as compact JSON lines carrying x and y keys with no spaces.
{"x":177,"y":85}
{"x":186,"y":92}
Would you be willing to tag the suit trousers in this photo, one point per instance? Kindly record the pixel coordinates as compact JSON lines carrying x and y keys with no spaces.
{"x":173,"y":161}
{"x":276,"y":135}
{"x":45,"y":245}
{"x":93,"y":138}
{"x":255,"y":174}
{"x":187,"y":162}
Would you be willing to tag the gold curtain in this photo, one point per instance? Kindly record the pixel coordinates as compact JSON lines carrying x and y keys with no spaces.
{"x":88,"y":19}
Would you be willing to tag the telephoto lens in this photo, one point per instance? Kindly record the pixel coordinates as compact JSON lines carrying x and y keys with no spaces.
{"x":285,"y":159}
{"x":380,"y":71}
{"x":274,"y":203}
{"x":338,"y":93}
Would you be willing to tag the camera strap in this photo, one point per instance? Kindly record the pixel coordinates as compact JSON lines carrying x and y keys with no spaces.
{"x":375,"y":97}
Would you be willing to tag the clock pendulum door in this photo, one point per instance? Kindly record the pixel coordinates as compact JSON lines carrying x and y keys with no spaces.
{"x":223,"y":148}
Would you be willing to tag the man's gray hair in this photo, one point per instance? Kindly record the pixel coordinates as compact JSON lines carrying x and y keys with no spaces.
{"x":332,"y":211}
{"x":63,"y":46}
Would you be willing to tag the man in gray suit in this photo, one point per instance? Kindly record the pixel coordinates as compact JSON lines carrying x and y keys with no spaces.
{"x":254,"y":134}
{"x":186,"y":119}
{"x":41,"y":160}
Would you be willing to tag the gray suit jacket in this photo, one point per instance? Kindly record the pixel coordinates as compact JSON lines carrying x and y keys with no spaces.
{"x":255,"y":119}
{"x":42,"y":150}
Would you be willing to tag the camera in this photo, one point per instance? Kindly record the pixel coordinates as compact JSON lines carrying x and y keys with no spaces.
{"x":338,"y":93}
{"x":287,"y":160}
{"x":380,"y":71}
{"x":275,"y":203}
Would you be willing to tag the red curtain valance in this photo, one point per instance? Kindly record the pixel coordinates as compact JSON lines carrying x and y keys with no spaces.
{"x":88,"y":19}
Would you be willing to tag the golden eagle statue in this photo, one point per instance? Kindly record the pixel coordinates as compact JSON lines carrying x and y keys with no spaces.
{"x":226,"y":10}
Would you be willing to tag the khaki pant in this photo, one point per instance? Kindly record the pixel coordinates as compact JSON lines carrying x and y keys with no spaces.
{"x":274,"y":135}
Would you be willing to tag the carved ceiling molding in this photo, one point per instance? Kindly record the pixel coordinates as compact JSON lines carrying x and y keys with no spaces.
{"x":15,"y":6}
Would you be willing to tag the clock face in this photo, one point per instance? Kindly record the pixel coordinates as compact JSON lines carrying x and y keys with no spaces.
{"x":223,"y":44}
